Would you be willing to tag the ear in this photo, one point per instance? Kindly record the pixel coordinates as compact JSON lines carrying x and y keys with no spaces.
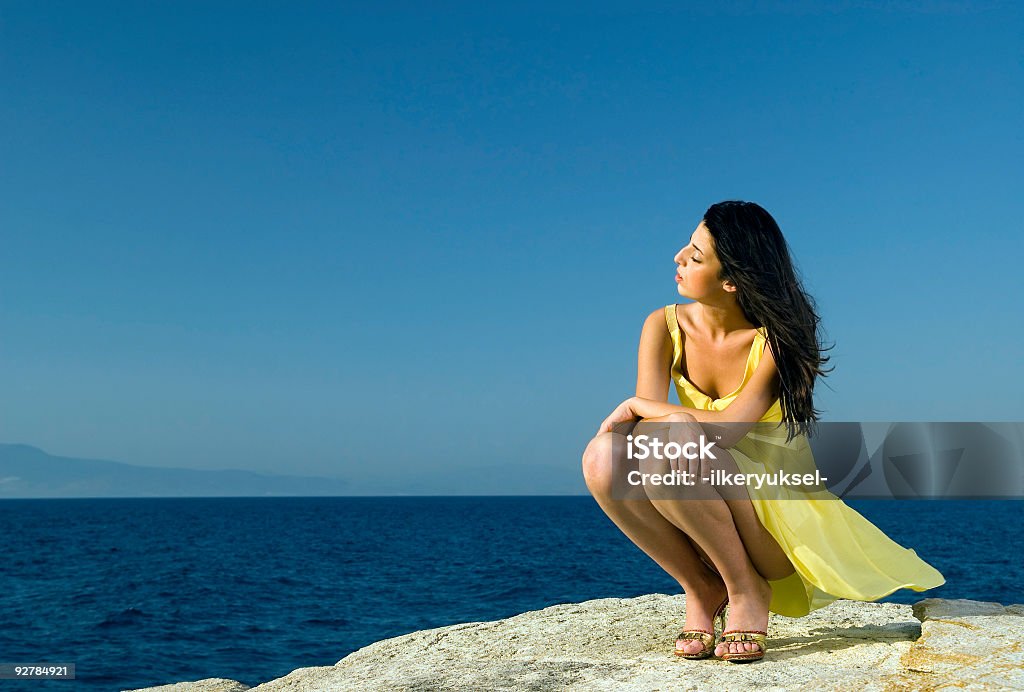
{"x":729,"y":286}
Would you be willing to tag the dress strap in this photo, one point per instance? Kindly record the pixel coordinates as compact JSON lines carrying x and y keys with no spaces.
{"x":762,"y":335}
{"x":670,"y":319}
{"x":673,"y":332}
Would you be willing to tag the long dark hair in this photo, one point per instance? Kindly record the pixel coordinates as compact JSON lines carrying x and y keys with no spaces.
{"x":756,"y":258}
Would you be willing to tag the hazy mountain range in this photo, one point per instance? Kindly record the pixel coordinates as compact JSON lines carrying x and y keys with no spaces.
{"x":29,"y":472}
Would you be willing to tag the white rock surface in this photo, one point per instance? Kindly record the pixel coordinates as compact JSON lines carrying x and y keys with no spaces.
{"x":626,"y":644}
{"x":207,"y":685}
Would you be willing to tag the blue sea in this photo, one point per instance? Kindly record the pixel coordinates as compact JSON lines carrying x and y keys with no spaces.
{"x":140,"y":592}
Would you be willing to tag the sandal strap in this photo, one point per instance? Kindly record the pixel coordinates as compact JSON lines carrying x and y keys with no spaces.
{"x":755,"y":636}
{"x":707,"y":640}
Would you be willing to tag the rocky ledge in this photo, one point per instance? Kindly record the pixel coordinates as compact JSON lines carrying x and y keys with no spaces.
{"x":626,"y":644}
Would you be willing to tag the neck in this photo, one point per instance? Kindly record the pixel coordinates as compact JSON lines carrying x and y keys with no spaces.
{"x":718,"y":321}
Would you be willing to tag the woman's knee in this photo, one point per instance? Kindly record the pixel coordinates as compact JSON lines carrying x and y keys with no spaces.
{"x":683,"y":427}
{"x":598,"y":461}
{"x":686,"y":428}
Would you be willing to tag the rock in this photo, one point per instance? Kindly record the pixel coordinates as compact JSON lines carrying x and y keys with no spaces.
{"x":626,"y":644}
{"x":207,"y":685}
{"x":968,"y":643}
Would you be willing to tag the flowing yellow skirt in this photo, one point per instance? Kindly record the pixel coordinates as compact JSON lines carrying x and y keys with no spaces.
{"x":837,"y":552}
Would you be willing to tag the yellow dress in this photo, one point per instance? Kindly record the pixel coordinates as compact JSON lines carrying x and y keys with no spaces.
{"x":836,"y":551}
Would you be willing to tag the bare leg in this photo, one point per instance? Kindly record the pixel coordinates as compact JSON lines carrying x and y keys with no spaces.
{"x":658,"y":537}
{"x":711,"y":524}
{"x":731,"y":534}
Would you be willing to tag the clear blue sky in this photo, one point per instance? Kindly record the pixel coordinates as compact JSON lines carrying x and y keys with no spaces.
{"x":316,"y":239}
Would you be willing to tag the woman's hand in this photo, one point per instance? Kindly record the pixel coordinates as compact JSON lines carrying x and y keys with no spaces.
{"x":685,"y":430}
{"x":623,"y":412}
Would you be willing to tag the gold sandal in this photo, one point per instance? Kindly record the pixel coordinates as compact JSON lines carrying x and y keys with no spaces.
{"x":708,"y":639}
{"x":756,"y":636}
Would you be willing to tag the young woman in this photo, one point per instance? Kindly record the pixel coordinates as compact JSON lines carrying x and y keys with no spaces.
{"x":745,"y":352}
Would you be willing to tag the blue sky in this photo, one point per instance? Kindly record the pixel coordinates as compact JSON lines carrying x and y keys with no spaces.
{"x":414,"y":247}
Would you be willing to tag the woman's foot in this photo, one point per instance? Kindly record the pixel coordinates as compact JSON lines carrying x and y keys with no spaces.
{"x":748,"y":612}
{"x":701,"y":602}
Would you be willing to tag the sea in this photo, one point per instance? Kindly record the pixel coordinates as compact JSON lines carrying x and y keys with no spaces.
{"x":141,"y":592}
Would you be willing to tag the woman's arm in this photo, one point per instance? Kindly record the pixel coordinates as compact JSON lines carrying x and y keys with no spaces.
{"x":653,"y":373}
{"x":654,"y":359}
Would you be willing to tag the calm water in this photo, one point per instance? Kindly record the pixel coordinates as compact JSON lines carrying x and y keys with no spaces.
{"x":139,"y":592}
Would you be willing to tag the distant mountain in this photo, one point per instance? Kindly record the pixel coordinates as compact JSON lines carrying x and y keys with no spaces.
{"x":29,"y":472}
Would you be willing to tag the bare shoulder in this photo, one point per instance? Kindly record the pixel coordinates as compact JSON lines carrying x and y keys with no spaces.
{"x":656,"y":324}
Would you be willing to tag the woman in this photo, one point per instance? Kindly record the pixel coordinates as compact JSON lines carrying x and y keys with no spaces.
{"x":745,"y":352}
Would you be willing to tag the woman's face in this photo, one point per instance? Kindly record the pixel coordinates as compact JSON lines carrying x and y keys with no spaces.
{"x":698,"y":267}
